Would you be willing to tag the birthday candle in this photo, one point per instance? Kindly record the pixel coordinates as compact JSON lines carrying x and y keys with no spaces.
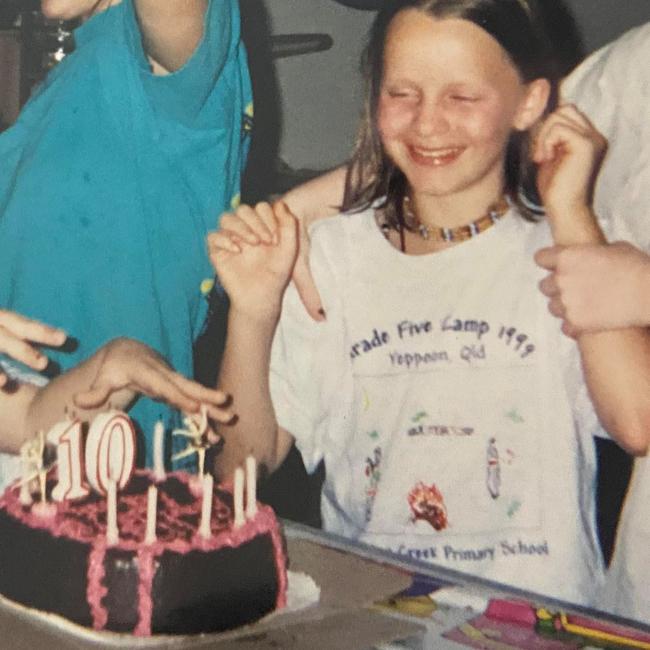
{"x":112,"y":532}
{"x":251,"y":487}
{"x":158,"y":452}
{"x":206,"y":507}
{"x":238,"y":498}
{"x":152,"y":504}
{"x":66,"y":436}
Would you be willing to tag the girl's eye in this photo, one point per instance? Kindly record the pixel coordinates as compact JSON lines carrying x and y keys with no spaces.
{"x":465,"y":98}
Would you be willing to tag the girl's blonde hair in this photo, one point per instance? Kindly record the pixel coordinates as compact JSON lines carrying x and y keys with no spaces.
{"x":518,"y":26}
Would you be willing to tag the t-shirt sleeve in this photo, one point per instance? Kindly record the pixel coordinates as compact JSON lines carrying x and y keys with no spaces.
{"x":217,"y":63}
{"x":308,"y":364}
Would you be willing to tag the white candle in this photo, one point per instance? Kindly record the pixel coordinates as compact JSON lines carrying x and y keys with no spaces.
{"x":152,"y":505}
{"x":158,"y":452}
{"x":238,"y":498}
{"x":25,"y":492}
{"x":112,"y":532}
{"x":205,"y":529}
{"x":251,"y":487}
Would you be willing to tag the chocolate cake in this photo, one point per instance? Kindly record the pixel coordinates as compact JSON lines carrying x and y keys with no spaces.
{"x":181,"y":583}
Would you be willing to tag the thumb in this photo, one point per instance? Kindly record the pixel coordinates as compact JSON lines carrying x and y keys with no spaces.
{"x":547,"y":257}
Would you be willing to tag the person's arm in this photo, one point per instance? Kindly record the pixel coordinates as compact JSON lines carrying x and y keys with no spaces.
{"x":616,"y":363}
{"x":116,"y":374}
{"x":18,"y":337}
{"x":255,"y":278}
{"x":594,"y":287}
{"x":171,"y":29}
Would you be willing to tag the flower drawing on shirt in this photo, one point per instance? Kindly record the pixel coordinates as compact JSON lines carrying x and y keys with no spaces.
{"x":374,"y":475}
{"x":427,"y":503}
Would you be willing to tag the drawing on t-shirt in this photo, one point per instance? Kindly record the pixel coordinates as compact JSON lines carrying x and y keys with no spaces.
{"x":427,"y":503}
{"x":493,"y":470}
{"x":373,"y":473}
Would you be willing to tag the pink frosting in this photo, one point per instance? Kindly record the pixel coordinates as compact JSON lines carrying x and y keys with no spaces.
{"x":176,"y":530}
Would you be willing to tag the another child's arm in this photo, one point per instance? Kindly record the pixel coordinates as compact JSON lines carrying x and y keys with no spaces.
{"x":616,"y":363}
{"x":116,"y":374}
{"x":18,"y":336}
{"x":255,"y":278}
{"x":171,"y":30}
{"x":595,"y":287}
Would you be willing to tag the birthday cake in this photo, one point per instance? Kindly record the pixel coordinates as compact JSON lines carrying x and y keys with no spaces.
{"x":198,"y":565}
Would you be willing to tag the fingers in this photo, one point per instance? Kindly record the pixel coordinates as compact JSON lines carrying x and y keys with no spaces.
{"x":17,"y":331}
{"x":94,"y":398}
{"x":548,"y":286}
{"x":251,"y":225}
{"x":547,"y":258}
{"x":21,"y":351}
{"x":566,"y":125}
{"x":287,"y":223}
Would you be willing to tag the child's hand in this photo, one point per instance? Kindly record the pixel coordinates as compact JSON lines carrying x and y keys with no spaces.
{"x":253,"y":254}
{"x":17,"y":334}
{"x":255,"y":226}
{"x":128,"y":368}
{"x":568,"y":150}
{"x":597,"y":287}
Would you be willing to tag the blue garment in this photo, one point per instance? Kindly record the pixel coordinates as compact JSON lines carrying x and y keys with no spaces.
{"x":109,"y":183}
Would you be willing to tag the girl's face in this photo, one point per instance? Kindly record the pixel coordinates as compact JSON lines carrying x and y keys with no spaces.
{"x":449,"y":99}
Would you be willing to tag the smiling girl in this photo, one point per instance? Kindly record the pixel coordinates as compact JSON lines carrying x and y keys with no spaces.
{"x":454,"y":418}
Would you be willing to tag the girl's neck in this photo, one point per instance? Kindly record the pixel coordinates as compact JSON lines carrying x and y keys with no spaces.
{"x":458,"y":208}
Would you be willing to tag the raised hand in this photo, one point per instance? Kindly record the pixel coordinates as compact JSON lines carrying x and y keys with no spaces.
{"x":568,"y":150}
{"x":256,"y":226}
{"x":128,"y":368}
{"x":18,"y":336}
{"x":253,"y":254}
{"x":597,"y":287}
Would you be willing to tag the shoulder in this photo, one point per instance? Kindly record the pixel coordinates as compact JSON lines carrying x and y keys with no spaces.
{"x":341,"y":231}
{"x":608,"y":70}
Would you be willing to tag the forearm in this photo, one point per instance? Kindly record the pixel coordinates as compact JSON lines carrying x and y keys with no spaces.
{"x":171,"y":30}
{"x":245,"y":376}
{"x":317,"y":198}
{"x":616,"y":366}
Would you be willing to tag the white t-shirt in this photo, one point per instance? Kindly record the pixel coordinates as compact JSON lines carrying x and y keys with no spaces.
{"x":447,"y":405}
{"x":612,"y":87}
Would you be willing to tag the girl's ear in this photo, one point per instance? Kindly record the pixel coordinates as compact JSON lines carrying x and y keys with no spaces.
{"x":532,"y":105}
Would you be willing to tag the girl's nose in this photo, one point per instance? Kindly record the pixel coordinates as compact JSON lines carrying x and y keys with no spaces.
{"x":431,"y":119}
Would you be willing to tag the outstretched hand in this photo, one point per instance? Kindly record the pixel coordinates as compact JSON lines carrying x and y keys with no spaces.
{"x":18,"y":336}
{"x":568,"y":150}
{"x":254,"y":253}
{"x":128,"y":368}
{"x":597,"y":287}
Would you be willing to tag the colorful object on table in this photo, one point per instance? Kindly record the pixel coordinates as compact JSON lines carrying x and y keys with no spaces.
{"x":519,"y":625}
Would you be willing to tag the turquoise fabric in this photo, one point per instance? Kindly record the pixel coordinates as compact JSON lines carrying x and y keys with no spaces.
{"x":109,"y":182}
